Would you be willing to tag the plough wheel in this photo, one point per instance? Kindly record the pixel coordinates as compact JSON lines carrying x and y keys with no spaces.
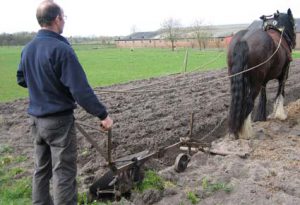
{"x":181,"y":162}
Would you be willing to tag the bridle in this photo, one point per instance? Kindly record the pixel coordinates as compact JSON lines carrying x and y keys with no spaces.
{"x":269,"y":22}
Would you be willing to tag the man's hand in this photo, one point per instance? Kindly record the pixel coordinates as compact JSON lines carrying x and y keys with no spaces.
{"x":106,"y":124}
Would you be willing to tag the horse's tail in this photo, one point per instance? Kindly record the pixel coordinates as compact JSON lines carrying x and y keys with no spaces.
{"x":239,"y":87}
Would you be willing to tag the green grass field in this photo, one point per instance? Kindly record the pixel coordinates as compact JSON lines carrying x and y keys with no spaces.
{"x":107,"y":66}
{"x":104,"y":66}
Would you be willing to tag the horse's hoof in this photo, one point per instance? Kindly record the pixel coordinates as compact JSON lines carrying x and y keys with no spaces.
{"x":281,"y":117}
{"x":231,"y":136}
{"x":270,"y":117}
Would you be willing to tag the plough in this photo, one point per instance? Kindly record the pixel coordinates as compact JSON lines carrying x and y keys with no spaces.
{"x":127,"y":171}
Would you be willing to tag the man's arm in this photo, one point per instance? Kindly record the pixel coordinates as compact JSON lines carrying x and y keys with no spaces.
{"x":20,"y":77}
{"x":73,"y":77}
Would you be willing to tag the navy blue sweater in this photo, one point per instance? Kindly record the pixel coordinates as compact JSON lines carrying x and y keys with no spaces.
{"x":55,"y":79}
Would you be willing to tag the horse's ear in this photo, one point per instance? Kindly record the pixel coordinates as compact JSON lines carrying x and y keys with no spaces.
{"x":289,"y":12}
{"x":263,"y":17}
{"x":277,"y":12}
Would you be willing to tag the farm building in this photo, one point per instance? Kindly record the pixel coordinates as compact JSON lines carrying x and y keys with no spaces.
{"x":218,"y":37}
{"x":213,"y":37}
{"x":165,"y":43}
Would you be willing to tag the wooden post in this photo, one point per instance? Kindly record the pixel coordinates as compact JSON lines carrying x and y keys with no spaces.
{"x":185,"y":60}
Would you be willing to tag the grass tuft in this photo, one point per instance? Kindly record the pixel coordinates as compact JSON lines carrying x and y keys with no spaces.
{"x":13,"y":190}
{"x":193,"y":198}
{"x":214,"y":187}
{"x":5,"y":149}
{"x":151,"y":181}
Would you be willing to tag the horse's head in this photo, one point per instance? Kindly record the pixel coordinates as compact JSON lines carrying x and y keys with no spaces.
{"x":283,"y":22}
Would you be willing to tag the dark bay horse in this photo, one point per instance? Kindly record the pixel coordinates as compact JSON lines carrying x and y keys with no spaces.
{"x":263,"y":54}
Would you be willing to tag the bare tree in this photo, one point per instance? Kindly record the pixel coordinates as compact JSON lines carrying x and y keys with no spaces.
{"x":197,"y":31}
{"x":201,"y":33}
{"x":218,"y":43}
{"x":171,"y":27}
{"x":20,"y":38}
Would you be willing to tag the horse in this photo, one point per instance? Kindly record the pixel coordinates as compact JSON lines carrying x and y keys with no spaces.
{"x":254,"y":57}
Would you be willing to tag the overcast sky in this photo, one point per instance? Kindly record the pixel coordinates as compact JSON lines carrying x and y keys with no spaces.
{"x":119,"y":17}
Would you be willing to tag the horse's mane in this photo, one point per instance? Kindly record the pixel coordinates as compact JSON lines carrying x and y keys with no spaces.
{"x":282,"y":22}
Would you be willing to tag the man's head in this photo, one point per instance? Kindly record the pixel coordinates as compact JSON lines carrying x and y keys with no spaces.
{"x":50,"y":16}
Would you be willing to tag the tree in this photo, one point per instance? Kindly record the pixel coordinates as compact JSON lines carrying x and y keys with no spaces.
{"x":170,"y":28}
{"x":201,"y":33}
{"x":20,"y":38}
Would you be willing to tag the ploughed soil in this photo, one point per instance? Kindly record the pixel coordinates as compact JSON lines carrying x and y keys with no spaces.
{"x":153,"y":113}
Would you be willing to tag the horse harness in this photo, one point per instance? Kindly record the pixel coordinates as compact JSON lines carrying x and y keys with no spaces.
{"x":270,"y":26}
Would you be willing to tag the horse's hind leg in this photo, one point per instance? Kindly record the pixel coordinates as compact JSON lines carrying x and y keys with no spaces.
{"x":278,"y":111}
{"x":246,"y":132}
{"x":261,"y":113}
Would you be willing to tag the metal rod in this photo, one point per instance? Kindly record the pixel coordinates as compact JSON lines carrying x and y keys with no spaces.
{"x":90,"y":126}
{"x":191,"y":132}
{"x":143,"y":159}
{"x":90,"y":139}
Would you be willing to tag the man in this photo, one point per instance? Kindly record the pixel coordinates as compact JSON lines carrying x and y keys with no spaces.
{"x":55,"y":79}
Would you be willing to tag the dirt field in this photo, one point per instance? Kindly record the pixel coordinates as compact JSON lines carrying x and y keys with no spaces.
{"x":156,"y":112}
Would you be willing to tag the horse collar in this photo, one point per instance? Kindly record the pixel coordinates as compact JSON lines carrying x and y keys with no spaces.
{"x":280,"y":30}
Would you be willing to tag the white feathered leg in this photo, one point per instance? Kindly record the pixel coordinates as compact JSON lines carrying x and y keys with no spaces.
{"x":246,"y":132}
{"x":278,"y":111}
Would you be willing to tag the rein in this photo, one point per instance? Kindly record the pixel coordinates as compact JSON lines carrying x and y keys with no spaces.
{"x":202,"y":83}
{"x":281,"y":31}
{"x":270,"y":23}
{"x":264,"y":62}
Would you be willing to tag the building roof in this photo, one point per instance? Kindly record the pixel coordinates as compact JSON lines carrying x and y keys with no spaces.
{"x":227,"y":30}
{"x":257,"y":24}
{"x":215,"y":31}
{"x":141,"y":35}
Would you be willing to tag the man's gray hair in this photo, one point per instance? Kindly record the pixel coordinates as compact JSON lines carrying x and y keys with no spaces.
{"x":47,"y":12}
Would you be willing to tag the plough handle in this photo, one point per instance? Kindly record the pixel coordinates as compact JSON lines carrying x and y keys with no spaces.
{"x":95,"y":145}
{"x":109,"y":136}
{"x":90,"y":139}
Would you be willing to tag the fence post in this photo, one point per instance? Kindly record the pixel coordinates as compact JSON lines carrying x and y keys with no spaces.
{"x":185,"y":59}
